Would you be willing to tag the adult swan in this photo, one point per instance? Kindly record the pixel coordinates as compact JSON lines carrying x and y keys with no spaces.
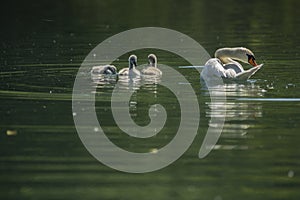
{"x":225,"y":64}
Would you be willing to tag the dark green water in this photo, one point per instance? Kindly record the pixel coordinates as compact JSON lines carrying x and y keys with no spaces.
{"x":43,"y":45}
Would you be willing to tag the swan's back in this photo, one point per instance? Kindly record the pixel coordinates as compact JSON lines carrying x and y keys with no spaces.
{"x":124,"y":72}
{"x":129,"y":72}
{"x":104,"y":69}
{"x":152,"y":68}
{"x":151,"y":71}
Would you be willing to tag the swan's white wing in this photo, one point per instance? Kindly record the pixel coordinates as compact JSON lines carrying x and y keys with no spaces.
{"x":248,"y":73}
{"x":230,"y":73}
{"x":213,"y":67}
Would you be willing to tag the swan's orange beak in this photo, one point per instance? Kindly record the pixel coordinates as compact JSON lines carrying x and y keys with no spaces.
{"x":252,"y":62}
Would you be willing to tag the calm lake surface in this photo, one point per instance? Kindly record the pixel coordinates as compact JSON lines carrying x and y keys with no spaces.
{"x":43,"y":44}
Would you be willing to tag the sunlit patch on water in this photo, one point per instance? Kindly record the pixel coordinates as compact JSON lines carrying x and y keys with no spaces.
{"x":230,"y":147}
{"x":269,"y":99}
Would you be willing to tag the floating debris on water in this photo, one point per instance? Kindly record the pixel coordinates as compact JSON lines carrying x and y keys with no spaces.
{"x":290,"y":85}
{"x":154,"y":150}
{"x":11,"y":132}
{"x":291,"y":174}
{"x":218,"y":197}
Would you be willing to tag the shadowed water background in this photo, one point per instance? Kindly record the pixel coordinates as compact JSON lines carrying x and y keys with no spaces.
{"x":43,"y":45}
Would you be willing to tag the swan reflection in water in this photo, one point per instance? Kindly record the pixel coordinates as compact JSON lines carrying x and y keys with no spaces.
{"x":240,"y":117}
{"x":128,"y":84}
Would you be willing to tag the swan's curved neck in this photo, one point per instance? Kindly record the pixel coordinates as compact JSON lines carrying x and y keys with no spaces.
{"x":228,"y":55}
{"x":153,"y":64}
{"x":131,"y":65}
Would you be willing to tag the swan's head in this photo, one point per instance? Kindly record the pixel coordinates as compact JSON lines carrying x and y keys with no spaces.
{"x":152,"y":60}
{"x":110,"y":70}
{"x":251,"y":60}
{"x":132,"y":61}
{"x":238,"y":53}
{"x":246,"y":56}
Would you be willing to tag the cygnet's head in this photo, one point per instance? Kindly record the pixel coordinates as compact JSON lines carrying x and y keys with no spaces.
{"x":132,"y":61}
{"x":152,"y":60}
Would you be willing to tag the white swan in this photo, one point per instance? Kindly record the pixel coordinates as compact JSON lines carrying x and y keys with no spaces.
{"x":130,"y":70}
{"x":104,"y":69}
{"x":225,"y":64}
{"x":152,"y":68}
